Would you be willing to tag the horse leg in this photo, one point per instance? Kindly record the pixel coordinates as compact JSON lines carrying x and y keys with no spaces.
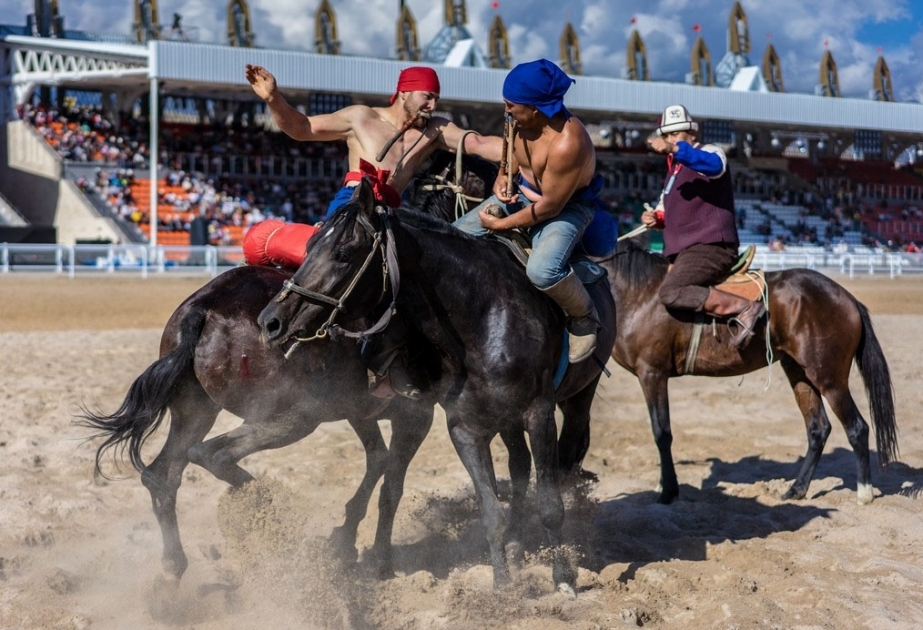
{"x":815,"y":421}
{"x":343,"y":537}
{"x":857,"y":432}
{"x":520,"y":468}
{"x":220,"y":454}
{"x":409,"y":429}
{"x":543,"y":439}
{"x":473,"y":448}
{"x":654,"y":385}
{"x":574,"y":441}
{"x":192,"y":415}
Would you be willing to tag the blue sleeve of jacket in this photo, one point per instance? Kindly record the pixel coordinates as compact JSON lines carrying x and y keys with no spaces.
{"x":705,"y":162}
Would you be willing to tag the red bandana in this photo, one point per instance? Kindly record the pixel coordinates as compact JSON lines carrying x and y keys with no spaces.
{"x":379,"y":181}
{"x":417,"y":79}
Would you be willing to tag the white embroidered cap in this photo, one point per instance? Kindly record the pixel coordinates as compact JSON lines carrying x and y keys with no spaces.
{"x":676,"y":118}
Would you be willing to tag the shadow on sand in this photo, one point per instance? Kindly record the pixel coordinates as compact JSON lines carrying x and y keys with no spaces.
{"x":632,"y":528}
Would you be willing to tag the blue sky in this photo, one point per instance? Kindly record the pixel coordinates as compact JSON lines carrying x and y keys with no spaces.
{"x":854,"y":31}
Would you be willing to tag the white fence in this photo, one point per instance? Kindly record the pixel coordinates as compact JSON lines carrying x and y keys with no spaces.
{"x":208,"y":260}
{"x":135,"y":259}
{"x":861,"y":261}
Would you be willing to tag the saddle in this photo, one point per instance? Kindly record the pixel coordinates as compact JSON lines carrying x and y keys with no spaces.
{"x":744,"y":282}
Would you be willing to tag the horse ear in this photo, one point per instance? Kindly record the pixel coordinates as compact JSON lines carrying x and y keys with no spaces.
{"x":365,"y":195}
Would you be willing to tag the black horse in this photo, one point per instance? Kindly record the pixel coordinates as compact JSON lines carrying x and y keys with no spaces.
{"x":816,"y":330}
{"x":500,"y":342}
{"x":211,"y":359}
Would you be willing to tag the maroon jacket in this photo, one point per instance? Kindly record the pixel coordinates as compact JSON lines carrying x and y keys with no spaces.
{"x":698,"y":210}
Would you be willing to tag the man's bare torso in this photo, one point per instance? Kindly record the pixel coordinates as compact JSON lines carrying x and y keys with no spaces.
{"x":372,"y":131}
{"x":532,"y":146}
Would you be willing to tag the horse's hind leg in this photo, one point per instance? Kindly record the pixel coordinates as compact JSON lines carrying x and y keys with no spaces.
{"x":192,"y":415}
{"x":574,"y":441}
{"x":857,"y":432}
{"x":815,"y":421}
{"x":220,"y":454}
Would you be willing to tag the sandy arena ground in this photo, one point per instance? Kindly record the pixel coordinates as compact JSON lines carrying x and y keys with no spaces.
{"x":79,"y":553}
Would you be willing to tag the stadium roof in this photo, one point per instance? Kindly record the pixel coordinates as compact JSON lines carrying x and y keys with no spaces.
{"x":207,"y":70}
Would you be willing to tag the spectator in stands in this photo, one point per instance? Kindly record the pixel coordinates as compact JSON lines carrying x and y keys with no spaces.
{"x":367,"y":130}
{"x":696,"y":213}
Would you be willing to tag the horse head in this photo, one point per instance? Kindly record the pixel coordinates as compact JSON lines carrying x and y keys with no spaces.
{"x":340,"y":279}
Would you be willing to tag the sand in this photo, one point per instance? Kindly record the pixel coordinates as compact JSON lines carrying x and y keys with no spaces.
{"x":78,"y":552}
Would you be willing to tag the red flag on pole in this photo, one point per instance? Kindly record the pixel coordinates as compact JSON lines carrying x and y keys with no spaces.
{"x":696,"y":27}
{"x":495,"y":5}
{"x":633,"y":20}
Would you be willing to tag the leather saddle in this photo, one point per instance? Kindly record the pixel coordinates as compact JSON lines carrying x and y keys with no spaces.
{"x":743,"y":281}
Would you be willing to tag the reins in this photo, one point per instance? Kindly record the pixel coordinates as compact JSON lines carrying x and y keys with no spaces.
{"x":383,"y":241}
{"x":461,"y":199}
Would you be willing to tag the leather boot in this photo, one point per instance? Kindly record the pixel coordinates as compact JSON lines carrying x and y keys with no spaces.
{"x":743,"y":313}
{"x":389,"y":365}
{"x":583,"y":320}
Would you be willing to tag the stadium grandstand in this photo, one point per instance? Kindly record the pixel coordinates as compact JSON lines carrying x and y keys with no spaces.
{"x":153,"y":138}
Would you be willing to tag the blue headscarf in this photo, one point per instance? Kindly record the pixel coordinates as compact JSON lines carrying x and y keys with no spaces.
{"x":539,"y":83}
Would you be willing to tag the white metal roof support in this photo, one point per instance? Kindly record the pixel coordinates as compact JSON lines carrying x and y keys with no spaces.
{"x":155,"y":154}
{"x":154,"y":143}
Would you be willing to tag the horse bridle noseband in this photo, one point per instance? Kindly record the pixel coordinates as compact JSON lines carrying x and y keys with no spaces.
{"x":383,"y":241}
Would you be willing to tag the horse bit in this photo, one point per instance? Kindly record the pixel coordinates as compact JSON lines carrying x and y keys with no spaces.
{"x":383,"y":241}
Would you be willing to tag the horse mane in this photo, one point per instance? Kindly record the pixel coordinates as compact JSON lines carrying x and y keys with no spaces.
{"x":639,"y":266}
{"x":342,"y":220}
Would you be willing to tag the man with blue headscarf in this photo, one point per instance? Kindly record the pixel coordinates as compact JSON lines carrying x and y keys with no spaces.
{"x":556,"y":195}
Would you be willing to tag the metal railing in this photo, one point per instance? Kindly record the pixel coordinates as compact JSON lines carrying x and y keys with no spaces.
{"x":145,"y":260}
{"x":141,"y":259}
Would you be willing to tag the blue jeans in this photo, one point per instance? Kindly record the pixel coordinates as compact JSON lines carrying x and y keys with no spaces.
{"x":343,"y":195}
{"x":553,"y":241}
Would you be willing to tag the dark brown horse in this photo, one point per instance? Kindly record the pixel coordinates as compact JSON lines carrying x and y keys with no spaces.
{"x":816,"y":329}
{"x":211,"y":359}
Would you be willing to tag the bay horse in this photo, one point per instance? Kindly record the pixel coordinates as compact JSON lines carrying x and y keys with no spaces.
{"x":498,"y":337}
{"x":816,"y":329}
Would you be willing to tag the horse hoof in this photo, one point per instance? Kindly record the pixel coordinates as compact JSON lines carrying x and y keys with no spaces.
{"x":587,"y":475}
{"x":566,"y":590}
{"x":864,"y":494}
{"x":794,"y":494}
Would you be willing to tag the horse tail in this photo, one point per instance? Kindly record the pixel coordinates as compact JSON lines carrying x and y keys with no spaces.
{"x":878,"y":389}
{"x":148,"y":398}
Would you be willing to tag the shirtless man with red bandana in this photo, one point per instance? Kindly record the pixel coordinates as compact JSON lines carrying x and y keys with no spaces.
{"x":367,"y":130}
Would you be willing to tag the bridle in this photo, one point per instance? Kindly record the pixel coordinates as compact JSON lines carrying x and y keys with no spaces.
{"x":382,"y":241}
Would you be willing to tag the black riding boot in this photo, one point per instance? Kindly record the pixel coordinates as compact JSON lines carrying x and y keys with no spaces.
{"x":388,"y":367}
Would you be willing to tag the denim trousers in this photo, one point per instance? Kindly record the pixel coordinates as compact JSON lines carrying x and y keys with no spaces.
{"x":553,"y":240}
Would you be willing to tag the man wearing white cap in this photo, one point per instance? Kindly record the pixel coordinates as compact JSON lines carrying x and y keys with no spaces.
{"x":696,"y":214}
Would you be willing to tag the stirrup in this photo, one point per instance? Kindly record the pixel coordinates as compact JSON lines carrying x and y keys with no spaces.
{"x":744,"y":333}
